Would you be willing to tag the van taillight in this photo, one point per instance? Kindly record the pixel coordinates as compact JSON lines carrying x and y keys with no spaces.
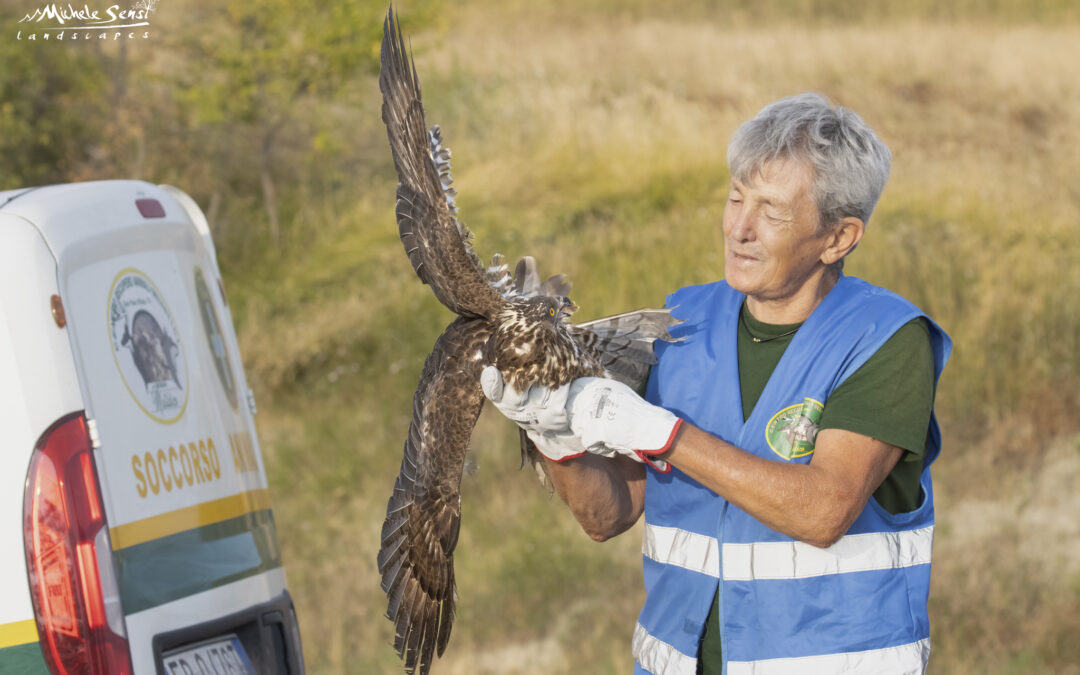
{"x":69,"y":559}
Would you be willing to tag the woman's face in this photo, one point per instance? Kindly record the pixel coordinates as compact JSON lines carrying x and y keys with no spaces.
{"x":771,"y":237}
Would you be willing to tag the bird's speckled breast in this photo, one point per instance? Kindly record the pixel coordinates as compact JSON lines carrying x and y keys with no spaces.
{"x":532,"y":352}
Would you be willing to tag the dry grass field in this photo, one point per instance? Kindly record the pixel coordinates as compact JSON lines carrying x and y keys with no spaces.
{"x":595,"y":140}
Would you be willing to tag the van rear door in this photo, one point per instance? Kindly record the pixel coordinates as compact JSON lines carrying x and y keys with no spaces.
{"x":181,"y":474}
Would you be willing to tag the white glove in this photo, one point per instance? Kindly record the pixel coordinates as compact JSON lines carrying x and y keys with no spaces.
{"x":609,"y":416}
{"x":540,"y":411}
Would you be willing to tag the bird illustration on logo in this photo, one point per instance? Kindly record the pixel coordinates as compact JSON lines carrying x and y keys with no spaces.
{"x":142,"y":327}
{"x":791,"y":432}
{"x":152,"y":349}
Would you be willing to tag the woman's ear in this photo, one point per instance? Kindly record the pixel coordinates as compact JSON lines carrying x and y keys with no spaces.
{"x":844,"y":237}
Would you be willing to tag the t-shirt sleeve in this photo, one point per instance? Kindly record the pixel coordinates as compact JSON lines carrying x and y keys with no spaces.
{"x":891,"y":396}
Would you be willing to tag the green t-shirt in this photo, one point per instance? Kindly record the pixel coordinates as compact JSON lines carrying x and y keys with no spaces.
{"x":890,"y":398}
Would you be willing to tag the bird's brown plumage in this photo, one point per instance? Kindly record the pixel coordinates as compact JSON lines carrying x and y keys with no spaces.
{"x":517,"y":324}
{"x":416,"y":559}
{"x":437,"y":245}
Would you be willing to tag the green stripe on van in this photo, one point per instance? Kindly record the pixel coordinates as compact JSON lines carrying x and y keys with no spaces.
{"x":156,"y":572}
{"x":23,"y":660}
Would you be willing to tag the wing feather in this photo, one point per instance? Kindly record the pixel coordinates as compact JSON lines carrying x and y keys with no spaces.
{"x":437,"y":245}
{"x":624,"y":342}
{"x":423,"y":515}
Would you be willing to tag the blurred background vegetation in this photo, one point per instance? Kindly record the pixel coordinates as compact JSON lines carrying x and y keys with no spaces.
{"x":591,"y":134}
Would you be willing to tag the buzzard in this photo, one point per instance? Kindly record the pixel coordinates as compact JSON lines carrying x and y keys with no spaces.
{"x":518,"y":324}
{"x":152,"y":348}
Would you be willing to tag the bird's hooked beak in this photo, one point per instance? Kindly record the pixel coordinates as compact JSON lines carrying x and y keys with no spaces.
{"x":567,"y":309}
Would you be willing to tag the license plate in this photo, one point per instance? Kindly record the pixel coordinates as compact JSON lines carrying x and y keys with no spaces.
{"x":220,"y":656}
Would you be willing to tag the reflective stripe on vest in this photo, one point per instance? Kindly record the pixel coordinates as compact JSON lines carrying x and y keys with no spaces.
{"x":787,"y":559}
{"x":852,"y":553}
{"x":909,"y":659}
{"x":689,"y":550}
{"x":659,"y":657}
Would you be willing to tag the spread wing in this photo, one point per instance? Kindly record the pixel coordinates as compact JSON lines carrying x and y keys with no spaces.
{"x":416,"y":559}
{"x":437,"y":245}
{"x":624,"y":342}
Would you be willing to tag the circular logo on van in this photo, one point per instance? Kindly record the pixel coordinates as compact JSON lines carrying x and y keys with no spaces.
{"x":146,"y":346}
{"x":215,"y":339}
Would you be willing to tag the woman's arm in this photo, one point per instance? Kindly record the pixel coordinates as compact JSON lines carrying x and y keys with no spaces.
{"x":606,"y":495}
{"x":815,"y":502}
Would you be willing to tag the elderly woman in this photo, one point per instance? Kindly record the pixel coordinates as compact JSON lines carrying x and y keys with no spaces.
{"x":781,"y":453}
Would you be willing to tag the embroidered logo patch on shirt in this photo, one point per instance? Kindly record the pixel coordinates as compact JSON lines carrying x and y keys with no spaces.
{"x":792,"y":431}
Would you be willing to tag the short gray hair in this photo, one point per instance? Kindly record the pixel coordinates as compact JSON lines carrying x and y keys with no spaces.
{"x":849,"y":161}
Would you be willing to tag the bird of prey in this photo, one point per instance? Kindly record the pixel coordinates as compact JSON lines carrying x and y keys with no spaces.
{"x":152,"y":349}
{"x":518,"y":324}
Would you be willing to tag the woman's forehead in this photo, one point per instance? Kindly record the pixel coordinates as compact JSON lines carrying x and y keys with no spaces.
{"x":776,"y":179}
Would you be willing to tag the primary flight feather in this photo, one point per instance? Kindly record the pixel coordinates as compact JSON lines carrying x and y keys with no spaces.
{"x":518,"y":324}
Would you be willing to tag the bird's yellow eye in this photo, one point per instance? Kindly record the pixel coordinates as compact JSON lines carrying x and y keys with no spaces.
{"x":551,"y":311}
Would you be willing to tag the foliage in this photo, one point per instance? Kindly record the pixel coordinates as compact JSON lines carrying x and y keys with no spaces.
{"x":266,"y":98}
{"x":591,"y":135}
{"x":52,"y":103}
{"x":612,"y":171}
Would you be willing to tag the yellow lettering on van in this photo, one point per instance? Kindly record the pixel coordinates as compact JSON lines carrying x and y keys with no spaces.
{"x":178,"y":479}
{"x":140,"y":479}
{"x":215,"y":463}
{"x":200,"y":474}
{"x":235,"y":453}
{"x":152,"y":473}
{"x":243,"y":452}
{"x":193,"y":463}
{"x":204,"y":460}
{"x":185,"y":464}
{"x":166,"y":479}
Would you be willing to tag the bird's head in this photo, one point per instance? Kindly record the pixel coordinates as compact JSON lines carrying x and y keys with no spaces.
{"x":549,"y":311}
{"x":533,"y":341}
{"x":534,"y":316}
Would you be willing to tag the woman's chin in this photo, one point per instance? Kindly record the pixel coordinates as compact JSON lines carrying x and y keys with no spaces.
{"x":739,"y":279}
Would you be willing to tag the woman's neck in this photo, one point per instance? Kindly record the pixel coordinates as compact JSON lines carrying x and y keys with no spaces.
{"x":798,"y":306}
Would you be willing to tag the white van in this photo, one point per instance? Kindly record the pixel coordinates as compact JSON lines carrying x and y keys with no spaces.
{"x":136,"y":534}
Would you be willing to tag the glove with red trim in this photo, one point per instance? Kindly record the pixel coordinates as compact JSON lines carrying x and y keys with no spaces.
{"x":592,"y":414}
{"x":609,"y":416}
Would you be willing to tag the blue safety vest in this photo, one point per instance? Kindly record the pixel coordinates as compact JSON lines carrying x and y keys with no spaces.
{"x":858,"y":606}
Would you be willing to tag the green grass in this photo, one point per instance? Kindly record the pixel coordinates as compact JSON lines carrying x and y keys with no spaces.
{"x":612,"y":170}
{"x":591,"y":134}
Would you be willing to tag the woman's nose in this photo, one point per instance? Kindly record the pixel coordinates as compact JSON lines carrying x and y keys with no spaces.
{"x":740,"y":223}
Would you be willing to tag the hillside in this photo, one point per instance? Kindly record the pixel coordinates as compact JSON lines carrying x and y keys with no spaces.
{"x":597,"y":145}
{"x":592,"y":136}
